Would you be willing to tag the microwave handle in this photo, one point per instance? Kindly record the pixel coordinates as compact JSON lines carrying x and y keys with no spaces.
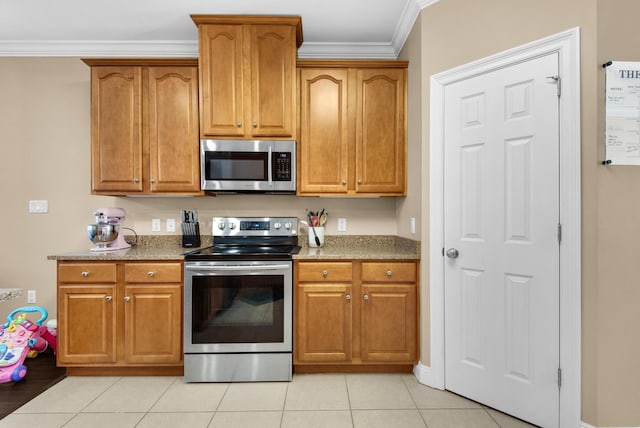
{"x":270,"y":167}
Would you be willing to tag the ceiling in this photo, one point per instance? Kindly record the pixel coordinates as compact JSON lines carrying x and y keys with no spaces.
{"x":331,"y":28}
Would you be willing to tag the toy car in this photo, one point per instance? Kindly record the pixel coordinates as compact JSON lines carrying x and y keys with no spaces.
{"x":20,"y":338}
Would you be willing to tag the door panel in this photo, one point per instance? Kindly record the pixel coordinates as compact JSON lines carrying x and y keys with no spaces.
{"x":501,"y":214}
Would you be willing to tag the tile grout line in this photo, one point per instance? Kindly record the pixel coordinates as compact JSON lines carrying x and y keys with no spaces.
{"x":414,"y":402}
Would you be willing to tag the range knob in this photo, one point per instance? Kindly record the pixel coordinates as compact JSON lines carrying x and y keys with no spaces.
{"x":232,"y":226}
{"x":221,"y":225}
{"x":277,"y":225}
{"x":287,"y":225}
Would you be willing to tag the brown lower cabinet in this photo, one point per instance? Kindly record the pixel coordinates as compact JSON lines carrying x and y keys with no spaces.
{"x":120,"y":315}
{"x":355,"y":315}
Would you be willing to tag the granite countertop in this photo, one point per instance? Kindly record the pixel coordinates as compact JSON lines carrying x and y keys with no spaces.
{"x":359,"y":247}
{"x":149,"y":247}
{"x":353,"y":247}
{"x":9,"y":293}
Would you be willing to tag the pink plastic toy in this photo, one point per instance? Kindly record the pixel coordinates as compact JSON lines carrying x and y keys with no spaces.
{"x":19,"y":337}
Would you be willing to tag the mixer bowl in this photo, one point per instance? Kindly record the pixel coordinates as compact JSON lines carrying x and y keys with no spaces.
{"x":102,"y":234}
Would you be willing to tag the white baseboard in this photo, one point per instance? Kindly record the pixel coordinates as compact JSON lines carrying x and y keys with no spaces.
{"x":425,"y":376}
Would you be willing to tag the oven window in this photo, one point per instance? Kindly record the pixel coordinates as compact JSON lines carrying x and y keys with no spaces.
{"x":238,"y":309}
{"x":236,"y":166}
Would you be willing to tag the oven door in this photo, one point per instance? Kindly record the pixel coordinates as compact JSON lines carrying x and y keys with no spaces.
{"x":238,"y":306}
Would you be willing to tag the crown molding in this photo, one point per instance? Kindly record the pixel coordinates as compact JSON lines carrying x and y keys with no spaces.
{"x":189,"y":48}
{"x":346,"y":50}
{"x":100,"y":48}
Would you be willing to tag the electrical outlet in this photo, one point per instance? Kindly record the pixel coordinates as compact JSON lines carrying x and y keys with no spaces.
{"x":342,"y":225}
{"x":413,"y":225}
{"x":155,"y":225}
{"x":171,"y":225}
{"x":31,"y":296}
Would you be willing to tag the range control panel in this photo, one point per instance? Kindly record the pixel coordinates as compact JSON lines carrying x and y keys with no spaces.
{"x":254,"y":226}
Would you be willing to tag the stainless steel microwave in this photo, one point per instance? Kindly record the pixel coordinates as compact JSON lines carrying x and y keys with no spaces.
{"x":248,"y":166}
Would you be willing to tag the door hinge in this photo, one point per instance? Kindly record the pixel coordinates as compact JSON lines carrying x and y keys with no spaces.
{"x":559,"y":233}
{"x":559,"y":377}
{"x":558,"y":82}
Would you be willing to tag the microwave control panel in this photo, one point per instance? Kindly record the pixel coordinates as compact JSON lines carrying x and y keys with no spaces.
{"x":281,"y":162}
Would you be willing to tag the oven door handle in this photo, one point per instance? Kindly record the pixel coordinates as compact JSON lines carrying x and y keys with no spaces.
{"x":235,"y":268}
{"x":270,"y":168}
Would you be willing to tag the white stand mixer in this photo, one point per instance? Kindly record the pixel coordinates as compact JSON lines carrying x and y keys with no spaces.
{"x":105,"y":233}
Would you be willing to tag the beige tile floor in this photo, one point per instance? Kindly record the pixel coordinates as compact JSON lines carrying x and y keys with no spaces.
{"x":308,"y":401}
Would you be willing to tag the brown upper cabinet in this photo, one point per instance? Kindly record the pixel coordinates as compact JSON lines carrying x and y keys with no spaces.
{"x":144,"y":126}
{"x":247,"y":75}
{"x":352,"y":128}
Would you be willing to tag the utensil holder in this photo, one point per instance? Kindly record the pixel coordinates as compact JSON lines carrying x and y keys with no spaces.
{"x":190,"y":235}
{"x":317,"y":231}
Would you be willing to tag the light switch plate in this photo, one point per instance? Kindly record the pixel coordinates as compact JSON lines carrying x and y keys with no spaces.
{"x":155,"y":225}
{"x":342,"y":225}
{"x":171,"y":225}
{"x":39,"y":206}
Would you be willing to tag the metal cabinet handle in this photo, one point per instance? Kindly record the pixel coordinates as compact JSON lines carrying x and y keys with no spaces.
{"x":108,"y":298}
{"x":389,"y":273}
{"x":365,"y":297}
{"x":359,"y":180}
{"x":152,"y":180}
{"x":344,"y":182}
{"x":127,"y":298}
{"x":348,"y":297}
{"x":136,"y":180}
{"x":325,"y":273}
{"x":239,"y":124}
{"x":85,"y":274}
{"x":150,"y":274}
{"x":255,"y":124}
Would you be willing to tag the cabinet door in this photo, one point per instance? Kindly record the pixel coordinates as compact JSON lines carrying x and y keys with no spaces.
{"x":173,"y":129}
{"x":86,"y":324}
{"x":272,"y":81}
{"x":323,"y":323}
{"x":388,"y":323}
{"x":222,"y":67}
{"x":116,"y":129}
{"x":153,"y":324}
{"x":324,"y":138}
{"x":380,"y":131}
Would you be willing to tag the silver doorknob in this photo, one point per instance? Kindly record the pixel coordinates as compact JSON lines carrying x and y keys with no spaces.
{"x":452,"y":253}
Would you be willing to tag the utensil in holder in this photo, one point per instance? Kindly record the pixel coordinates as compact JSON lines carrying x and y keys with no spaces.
{"x":190,"y":235}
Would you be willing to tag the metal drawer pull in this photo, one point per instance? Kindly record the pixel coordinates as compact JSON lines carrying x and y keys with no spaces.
{"x":108,"y":298}
{"x":389,"y":272}
{"x":255,"y":124}
{"x":127,"y":298}
{"x":239,"y":124}
{"x":325,"y":273}
{"x":85,"y":274}
{"x":348,"y":297}
{"x":150,"y":274}
{"x":365,"y":297}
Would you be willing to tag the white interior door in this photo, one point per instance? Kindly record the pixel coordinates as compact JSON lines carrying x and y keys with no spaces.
{"x":501,"y":216}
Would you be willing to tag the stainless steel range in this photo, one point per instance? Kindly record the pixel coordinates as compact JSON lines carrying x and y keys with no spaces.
{"x":238,"y":317}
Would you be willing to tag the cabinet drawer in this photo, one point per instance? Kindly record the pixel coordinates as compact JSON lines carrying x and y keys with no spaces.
{"x":324,"y":271}
{"x":389,"y":272}
{"x":153,"y":272}
{"x":86,"y":273}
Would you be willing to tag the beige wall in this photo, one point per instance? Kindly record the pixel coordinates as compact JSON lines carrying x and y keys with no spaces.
{"x":455,"y":32}
{"x":45,"y":140}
